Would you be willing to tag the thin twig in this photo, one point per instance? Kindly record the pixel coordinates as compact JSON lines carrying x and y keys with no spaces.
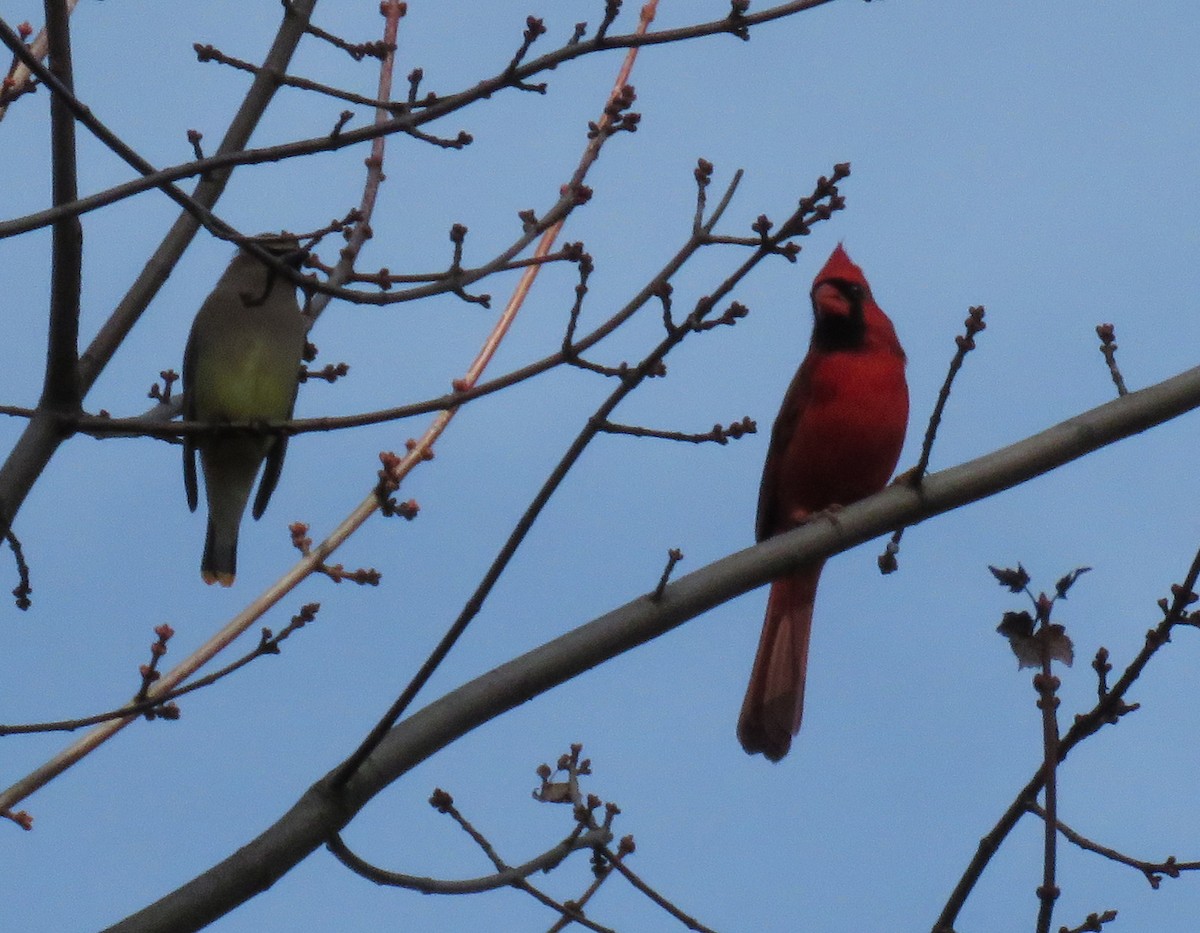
{"x":360,"y":231}
{"x":1108,"y":346}
{"x":356,"y":50}
{"x":1093,"y":924}
{"x":23,"y":588}
{"x":268,"y":644}
{"x":1153,"y":871}
{"x":686,"y":919}
{"x":507,"y":876}
{"x":717,"y":435}
{"x":674,"y":556}
{"x":964,"y":344}
{"x":209,"y":53}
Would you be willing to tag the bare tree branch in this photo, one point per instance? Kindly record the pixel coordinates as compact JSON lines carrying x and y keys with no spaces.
{"x":506,"y":877}
{"x":1110,"y":707}
{"x":322,"y":810}
{"x":423,"y":113}
{"x":60,"y":391}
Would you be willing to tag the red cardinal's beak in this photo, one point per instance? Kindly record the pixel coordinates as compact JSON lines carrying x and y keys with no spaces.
{"x":828,"y":299}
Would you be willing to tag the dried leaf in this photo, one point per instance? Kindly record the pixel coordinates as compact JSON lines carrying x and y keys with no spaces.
{"x":1068,"y":581}
{"x":554,"y":792}
{"x":1014,"y":580}
{"x":1061,"y":648}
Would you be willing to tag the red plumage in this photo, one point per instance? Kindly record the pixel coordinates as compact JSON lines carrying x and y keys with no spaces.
{"x":836,"y":440}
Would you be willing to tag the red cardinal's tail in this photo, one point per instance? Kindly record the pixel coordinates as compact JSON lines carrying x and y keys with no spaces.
{"x":775,"y":698}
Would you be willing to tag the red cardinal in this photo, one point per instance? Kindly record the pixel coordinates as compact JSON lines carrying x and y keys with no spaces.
{"x":835,"y":441}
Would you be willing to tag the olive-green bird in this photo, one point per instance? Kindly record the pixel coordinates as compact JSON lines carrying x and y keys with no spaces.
{"x":242,"y":364}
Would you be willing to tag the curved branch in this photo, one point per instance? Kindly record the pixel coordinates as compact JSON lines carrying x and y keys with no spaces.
{"x":321,"y":812}
{"x":19,"y":78}
{"x":1153,"y":872}
{"x":548,"y":860}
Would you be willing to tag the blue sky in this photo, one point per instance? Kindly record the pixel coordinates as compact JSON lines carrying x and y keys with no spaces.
{"x":1037,"y":159}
